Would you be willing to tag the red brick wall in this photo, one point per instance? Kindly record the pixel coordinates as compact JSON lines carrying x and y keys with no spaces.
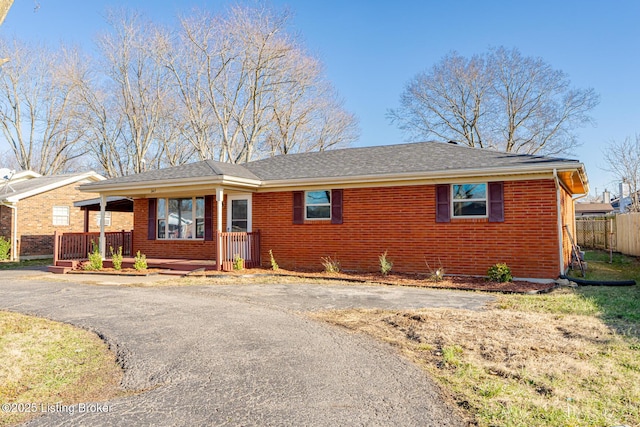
{"x":401,"y":220}
{"x":35,"y":219}
{"x":167,"y":248}
{"x":119,"y":221}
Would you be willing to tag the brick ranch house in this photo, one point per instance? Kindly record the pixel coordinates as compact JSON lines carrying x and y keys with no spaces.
{"x":436,"y":202}
{"x":33,"y":207}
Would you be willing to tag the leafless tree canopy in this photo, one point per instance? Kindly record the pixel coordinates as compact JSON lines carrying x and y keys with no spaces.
{"x":500,"y":100}
{"x":38,"y":107}
{"x":234,"y":87}
{"x":623,"y":160}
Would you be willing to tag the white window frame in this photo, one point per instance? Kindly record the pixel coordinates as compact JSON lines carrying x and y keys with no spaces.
{"x":193,"y":225}
{"x":107,"y":219}
{"x":59,"y":216}
{"x":485,"y":199}
{"x":316,"y":204}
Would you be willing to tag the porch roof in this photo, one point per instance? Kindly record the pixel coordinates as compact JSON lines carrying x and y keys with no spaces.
{"x":114,"y":204}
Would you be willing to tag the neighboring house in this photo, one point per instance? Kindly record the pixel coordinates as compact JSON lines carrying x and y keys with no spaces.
{"x":460,"y":207}
{"x":33,"y":207}
{"x":593,"y":209}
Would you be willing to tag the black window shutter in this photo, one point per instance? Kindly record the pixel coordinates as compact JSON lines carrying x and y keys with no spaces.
{"x":151,"y":230}
{"x":298,"y":207}
{"x":208,"y":217}
{"x":496,"y":202}
{"x":336,"y":206}
{"x":443,"y":203}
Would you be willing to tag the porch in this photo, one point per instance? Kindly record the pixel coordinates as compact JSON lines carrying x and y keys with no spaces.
{"x":72,"y":248}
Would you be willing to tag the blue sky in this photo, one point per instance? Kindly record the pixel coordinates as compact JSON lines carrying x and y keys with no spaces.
{"x":372,"y":48}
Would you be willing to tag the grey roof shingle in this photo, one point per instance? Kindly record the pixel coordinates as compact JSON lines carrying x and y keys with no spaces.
{"x":33,"y":184}
{"x":391,"y":159}
{"x":203,"y":169}
{"x":349,"y":162}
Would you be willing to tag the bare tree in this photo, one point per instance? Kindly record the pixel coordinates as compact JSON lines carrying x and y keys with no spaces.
{"x":127,"y":101}
{"x":251,"y":90}
{"x":623,"y":160}
{"x":38,"y":118}
{"x":446,"y":102}
{"x":500,"y":100}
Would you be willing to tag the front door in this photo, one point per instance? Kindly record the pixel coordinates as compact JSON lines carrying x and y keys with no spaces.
{"x":239,"y":221}
{"x":239,"y":213}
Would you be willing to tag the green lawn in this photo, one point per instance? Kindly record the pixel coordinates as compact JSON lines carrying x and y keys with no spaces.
{"x":599,"y":268}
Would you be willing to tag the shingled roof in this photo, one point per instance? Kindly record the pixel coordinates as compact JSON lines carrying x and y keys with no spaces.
{"x":203,"y":169}
{"x":14,"y":191}
{"x":391,"y":159}
{"x":426,"y":158}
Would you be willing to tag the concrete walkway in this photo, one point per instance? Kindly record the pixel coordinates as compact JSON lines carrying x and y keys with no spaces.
{"x":242,"y":355}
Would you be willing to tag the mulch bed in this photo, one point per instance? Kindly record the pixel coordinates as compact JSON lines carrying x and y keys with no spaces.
{"x":122,"y":272}
{"x":399,"y":279}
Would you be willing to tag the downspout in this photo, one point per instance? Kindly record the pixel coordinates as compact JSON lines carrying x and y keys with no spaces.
{"x":14,"y":233}
{"x":559,"y":214}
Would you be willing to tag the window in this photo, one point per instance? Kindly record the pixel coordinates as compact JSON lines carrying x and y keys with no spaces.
{"x":107,"y":219}
{"x":469,"y":200}
{"x":61,"y":215}
{"x":180,"y":218}
{"x":317,"y":204}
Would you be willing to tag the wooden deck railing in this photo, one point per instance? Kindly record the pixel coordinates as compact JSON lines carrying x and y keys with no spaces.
{"x":233,"y":244}
{"x":68,"y":246}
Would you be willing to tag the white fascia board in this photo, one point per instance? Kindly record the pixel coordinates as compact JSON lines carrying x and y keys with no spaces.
{"x":75,"y":178}
{"x":439,"y":176}
{"x":143,"y":186}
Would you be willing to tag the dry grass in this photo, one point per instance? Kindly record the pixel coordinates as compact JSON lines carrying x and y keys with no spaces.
{"x":515,"y":366}
{"x":46,"y":362}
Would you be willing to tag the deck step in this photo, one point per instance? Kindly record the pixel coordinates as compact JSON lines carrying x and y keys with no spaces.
{"x":67,"y":263}
{"x":57,"y":269}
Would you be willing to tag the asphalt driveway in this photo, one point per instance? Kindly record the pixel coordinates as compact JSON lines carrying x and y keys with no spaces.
{"x":242,"y":355}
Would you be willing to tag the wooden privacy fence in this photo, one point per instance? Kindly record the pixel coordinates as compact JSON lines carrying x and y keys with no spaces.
{"x":67,"y":246}
{"x":231,"y":245}
{"x":596,"y":233}
{"x":628,"y":233}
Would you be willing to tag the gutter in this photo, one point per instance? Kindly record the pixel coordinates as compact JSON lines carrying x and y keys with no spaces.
{"x":14,"y":233}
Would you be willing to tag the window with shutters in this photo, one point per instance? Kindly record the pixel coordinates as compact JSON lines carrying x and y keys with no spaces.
{"x":180,"y":218}
{"x":469,"y":200}
{"x":317,"y":204}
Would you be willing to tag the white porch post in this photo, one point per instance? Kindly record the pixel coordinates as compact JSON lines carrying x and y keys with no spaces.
{"x":219,"y":199}
{"x":219,"y":250}
{"x":103,"y":208}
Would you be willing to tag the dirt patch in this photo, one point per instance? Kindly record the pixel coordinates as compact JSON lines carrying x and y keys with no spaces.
{"x":399,"y":279}
{"x":514,"y":368}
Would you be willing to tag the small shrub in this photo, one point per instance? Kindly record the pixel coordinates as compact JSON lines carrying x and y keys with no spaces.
{"x":140,"y":261}
{"x":116,"y":258}
{"x":95,"y":259}
{"x":5,"y":247}
{"x":331,"y":265}
{"x":238,"y":263}
{"x":500,"y":273}
{"x":437,"y":274}
{"x":274,"y":264}
{"x":385,"y":264}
